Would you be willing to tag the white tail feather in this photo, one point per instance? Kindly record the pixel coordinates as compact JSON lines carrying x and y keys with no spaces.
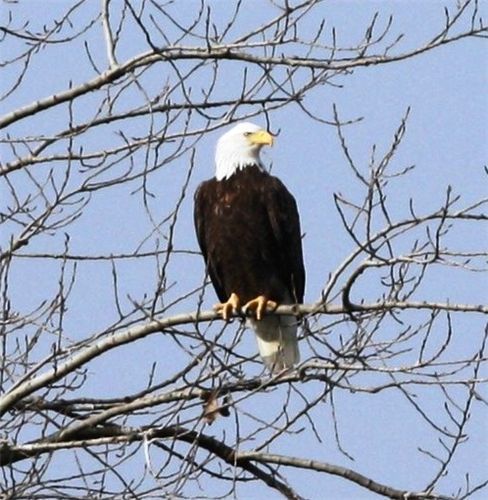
{"x":277,"y":341}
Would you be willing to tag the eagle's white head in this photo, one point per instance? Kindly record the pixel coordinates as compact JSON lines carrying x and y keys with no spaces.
{"x":240,"y":147}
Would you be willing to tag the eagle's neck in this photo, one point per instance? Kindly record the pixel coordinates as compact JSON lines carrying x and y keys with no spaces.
{"x":229,"y":162}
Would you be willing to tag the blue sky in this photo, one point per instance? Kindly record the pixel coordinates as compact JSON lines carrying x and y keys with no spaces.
{"x":446,"y":140}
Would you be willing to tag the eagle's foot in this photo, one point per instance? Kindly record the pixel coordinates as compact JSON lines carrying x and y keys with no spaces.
{"x":259,"y":305}
{"x":232,"y":305}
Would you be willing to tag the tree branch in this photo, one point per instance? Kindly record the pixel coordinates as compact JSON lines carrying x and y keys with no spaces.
{"x":116,"y":339}
{"x":336,"y":470}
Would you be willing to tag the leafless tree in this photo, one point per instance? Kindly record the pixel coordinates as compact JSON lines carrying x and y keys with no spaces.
{"x":86,"y":410}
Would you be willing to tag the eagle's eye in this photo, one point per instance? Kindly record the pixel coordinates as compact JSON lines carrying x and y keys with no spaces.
{"x":247,"y":134}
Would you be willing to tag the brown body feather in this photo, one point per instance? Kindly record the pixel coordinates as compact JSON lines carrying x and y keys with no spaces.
{"x":248,"y":229}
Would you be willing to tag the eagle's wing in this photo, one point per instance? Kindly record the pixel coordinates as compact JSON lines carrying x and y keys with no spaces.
{"x":202,"y":206}
{"x":285,"y":223}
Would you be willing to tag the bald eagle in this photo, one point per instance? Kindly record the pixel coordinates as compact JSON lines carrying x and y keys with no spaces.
{"x":248,"y":229}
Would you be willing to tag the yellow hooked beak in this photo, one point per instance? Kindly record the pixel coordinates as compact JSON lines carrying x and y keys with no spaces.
{"x":261,"y":138}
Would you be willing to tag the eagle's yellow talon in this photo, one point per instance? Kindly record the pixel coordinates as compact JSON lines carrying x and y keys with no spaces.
{"x":225,"y":309}
{"x":259,"y":305}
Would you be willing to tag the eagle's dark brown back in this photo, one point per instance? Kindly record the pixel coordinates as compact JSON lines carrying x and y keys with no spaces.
{"x":248,"y":229}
